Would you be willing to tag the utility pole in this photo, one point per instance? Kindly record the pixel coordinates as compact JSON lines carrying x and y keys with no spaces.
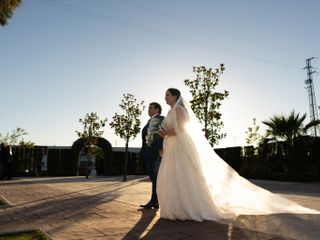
{"x":311,"y":93}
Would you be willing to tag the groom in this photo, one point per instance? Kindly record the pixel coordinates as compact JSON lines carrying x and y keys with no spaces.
{"x":150,"y":150}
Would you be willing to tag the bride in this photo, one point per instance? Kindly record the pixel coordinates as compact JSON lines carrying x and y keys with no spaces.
{"x":194,"y":183}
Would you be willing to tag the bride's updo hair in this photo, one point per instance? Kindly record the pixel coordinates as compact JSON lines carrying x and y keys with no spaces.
{"x":174,"y":92}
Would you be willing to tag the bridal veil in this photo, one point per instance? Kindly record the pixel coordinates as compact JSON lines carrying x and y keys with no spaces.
{"x":232,"y":194}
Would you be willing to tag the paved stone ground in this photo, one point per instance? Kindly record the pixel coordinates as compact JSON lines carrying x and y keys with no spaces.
{"x":107,"y":208}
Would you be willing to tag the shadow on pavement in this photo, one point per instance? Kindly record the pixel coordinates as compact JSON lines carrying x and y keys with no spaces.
{"x":297,"y":226}
{"x":139,"y":229}
{"x":72,"y":179}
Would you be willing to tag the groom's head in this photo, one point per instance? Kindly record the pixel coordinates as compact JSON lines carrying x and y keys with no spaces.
{"x":154,"y":108}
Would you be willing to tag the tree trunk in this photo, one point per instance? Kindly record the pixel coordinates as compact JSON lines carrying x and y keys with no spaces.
{"x":125,"y":163}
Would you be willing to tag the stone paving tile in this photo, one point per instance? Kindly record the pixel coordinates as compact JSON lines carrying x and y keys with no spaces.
{"x":107,"y":208}
{"x":4,"y":218}
{"x":71,"y":231}
{"x":291,"y":225}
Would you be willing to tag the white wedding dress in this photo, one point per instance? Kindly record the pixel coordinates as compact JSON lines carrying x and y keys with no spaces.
{"x":194,"y":183}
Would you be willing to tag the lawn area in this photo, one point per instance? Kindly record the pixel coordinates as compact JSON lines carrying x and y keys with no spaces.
{"x":30,"y":235}
{"x":2,"y":202}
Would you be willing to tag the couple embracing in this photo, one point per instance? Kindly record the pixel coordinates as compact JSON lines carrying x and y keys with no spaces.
{"x":193,"y":182}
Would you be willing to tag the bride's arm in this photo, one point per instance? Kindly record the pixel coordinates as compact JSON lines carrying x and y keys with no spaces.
{"x":168,"y":132}
{"x":182,"y":118}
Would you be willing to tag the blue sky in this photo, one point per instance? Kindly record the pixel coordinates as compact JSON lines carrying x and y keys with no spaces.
{"x":61,"y":59}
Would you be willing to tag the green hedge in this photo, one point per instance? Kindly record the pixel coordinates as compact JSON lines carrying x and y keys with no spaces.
{"x":26,"y":161}
{"x":136,"y":166}
{"x":59,"y":162}
{"x":268,"y":161}
{"x":231,"y":155}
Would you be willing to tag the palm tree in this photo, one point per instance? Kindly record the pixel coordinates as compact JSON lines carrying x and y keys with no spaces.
{"x":6,"y":10}
{"x":287,"y":129}
{"x":282,"y":128}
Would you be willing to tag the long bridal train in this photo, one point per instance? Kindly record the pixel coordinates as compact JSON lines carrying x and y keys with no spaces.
{"x":194,"y":183}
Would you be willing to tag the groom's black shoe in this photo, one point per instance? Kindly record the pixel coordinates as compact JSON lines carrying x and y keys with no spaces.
{"x":150,"y":205}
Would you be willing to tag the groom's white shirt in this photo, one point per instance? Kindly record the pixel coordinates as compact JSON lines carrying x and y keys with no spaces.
{"x":155,"y":115}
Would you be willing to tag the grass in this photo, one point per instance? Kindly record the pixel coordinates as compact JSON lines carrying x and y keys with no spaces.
{"x":2,"y":202}
{"x":29,"y":235}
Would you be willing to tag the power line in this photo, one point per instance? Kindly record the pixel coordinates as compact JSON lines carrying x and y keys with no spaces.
{"x":150,"y":30}
{"x":211,"y":29}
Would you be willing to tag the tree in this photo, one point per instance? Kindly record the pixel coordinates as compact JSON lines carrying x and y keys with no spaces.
{"x":282,"y":128}
{"x":15,"y":138}
{"x":6,"y":10}
{"x":92,"y":126}
{"x":127,"y":125}
{"x":206,"y":100}
{"x":287,"y":129}
{"x":253,"y":135}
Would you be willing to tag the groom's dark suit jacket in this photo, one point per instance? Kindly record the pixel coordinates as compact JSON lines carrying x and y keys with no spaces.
{"x":151,"y":153}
